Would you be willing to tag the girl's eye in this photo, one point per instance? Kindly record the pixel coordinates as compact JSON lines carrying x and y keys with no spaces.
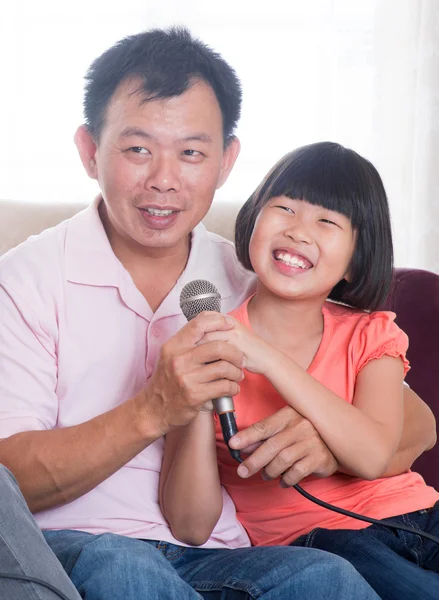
{"x":328,"y":221}
{"x":286,"y":208}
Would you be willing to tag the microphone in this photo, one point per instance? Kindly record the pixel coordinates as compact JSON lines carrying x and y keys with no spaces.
{"x":195,"y":297}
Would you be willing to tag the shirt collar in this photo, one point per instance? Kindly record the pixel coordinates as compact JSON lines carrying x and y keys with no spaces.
{"x":90,"y":260}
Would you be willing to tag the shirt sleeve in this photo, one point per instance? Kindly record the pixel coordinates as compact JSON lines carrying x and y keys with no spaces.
{"x":28,"y":368}
{"x":378,"y":336}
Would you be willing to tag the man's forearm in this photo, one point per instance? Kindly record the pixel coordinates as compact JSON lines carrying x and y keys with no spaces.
{"x":419,"y":433}
{"x":57,"y":466}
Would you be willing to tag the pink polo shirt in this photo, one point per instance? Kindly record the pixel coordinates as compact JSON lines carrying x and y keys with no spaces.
{"x":77,"y":338}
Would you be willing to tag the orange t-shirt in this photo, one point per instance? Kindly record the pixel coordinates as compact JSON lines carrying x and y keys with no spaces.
{"x":273,"y":515}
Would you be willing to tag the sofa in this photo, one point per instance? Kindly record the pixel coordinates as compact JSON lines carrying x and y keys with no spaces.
{"x":414,"y":298}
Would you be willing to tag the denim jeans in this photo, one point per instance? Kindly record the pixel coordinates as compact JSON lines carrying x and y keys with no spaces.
{"x":110,"y":566}
{"x":397,"y":564}
{"x":23,"y":550}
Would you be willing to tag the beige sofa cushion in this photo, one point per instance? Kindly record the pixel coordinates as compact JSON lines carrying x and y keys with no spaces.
{"x":19,"y":220}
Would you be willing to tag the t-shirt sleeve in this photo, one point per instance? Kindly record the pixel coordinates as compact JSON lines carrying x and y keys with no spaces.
{"x":379,"y":335}
{"x":28,"y":368}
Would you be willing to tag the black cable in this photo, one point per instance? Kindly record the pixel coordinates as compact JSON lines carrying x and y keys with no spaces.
{"x":348,"y":513}
{"x":37,"y":581}
{"x":385,"y":522}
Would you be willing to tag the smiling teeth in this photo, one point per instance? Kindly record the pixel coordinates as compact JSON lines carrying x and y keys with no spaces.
{"x":292,"y":260}
{"x":159,"y":213}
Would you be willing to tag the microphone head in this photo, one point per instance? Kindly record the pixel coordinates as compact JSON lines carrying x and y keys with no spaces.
{"x":197,"y":296}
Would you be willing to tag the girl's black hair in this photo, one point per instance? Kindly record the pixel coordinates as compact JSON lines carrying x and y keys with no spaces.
{"x":337,"y":178}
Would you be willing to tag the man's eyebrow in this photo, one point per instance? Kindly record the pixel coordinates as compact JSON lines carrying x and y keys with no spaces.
{"x":197,"y":137}
{"x":136,"y":131}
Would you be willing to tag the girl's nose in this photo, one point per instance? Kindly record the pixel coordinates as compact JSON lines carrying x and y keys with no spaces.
{"x":299,"y":232}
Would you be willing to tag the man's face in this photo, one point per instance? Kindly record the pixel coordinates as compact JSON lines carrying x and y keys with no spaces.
{"x":158,"y":164}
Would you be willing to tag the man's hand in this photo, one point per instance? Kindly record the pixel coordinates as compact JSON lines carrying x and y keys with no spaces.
{"x":188,"y":375}
{"x":284,"y":444}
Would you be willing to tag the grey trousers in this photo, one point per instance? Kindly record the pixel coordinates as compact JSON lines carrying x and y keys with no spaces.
{"x":24,"y":551}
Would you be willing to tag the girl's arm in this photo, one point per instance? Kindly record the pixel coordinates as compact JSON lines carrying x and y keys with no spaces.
{"x":363,"y":436}
{"x":190,"y":491}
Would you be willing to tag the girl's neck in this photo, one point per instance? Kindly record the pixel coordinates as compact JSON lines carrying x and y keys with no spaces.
{"x":275,"y":318}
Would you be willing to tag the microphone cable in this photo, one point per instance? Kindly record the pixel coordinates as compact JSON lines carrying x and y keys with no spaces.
{"x":385,"y":522}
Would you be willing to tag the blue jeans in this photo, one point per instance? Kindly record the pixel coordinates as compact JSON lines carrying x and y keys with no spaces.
{"x":23,"y":550}
{"x":397,"y":564}
{"x":112,"y":566}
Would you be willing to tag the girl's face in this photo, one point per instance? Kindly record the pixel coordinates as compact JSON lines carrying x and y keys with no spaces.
{"x":299,"y":250}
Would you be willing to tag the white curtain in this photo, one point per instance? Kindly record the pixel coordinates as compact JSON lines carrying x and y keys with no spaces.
{"x":406,"y":124}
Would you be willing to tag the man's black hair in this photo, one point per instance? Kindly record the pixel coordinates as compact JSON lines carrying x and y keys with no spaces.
{"x":167,"y":62}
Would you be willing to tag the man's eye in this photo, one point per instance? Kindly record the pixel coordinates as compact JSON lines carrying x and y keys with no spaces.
{"x":191,"y":153}
{"x":139,"y":150}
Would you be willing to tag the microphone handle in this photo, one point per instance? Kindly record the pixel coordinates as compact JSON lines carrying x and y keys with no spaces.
{"x":225,"y":410}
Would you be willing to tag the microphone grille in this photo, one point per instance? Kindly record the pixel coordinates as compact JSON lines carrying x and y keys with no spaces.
{"x":199,"y":295}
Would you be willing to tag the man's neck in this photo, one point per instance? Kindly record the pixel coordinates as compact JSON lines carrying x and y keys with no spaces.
{"x":154,"y":271}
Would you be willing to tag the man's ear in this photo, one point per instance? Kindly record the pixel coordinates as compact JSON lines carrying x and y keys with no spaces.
{"x":230,"y":155}
{"x":86,"y":146}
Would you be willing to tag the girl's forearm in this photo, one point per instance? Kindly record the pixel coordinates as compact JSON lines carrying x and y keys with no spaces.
{"x":362,"y":445}
{"x":191,"y":496}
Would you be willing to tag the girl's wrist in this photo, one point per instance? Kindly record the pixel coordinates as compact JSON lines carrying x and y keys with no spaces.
{"x":273,"y":360}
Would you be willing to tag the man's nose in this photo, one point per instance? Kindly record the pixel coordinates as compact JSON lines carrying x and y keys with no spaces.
{"x":163,"y":175}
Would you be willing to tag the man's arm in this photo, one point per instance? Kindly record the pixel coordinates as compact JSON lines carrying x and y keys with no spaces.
{"x":56,"y":466}
{"x":285,"y":444}
{"x":419,"y":433}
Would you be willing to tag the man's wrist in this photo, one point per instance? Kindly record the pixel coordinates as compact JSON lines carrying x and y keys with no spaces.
{"x":148,"y":416}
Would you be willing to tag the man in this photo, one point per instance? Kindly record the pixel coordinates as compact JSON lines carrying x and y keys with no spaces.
{"x":97,"y":364}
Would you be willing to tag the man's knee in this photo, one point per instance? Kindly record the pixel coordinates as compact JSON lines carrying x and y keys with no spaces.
{"x":114,"y":566}
{"x":112,"y":553}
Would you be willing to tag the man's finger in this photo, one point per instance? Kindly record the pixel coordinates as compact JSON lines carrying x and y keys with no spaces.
{"x":220,"y":369}
{"x":298,"y":471}
{"x":205,"y":322}
{"x":279,"y":448}
{"x":250,"y":449}
{"x":289,"y":457}
{"x":215,"y":351}
{"x":262,"y":430}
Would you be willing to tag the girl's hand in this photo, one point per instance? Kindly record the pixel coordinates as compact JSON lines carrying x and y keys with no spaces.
{"x":254,"y":348}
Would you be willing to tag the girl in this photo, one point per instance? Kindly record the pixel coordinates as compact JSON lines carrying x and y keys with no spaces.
{"x":317,"y":229}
